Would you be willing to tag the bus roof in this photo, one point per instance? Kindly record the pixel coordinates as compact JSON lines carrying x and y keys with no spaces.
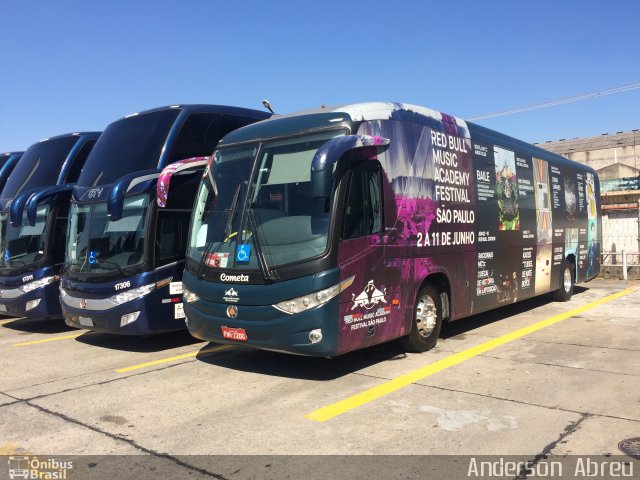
{"x":74,"y":134}
{"x":321,"y":117}
{"x":44,"y":165}
{"x":206,"y":108}
{"x":491,"y":137}
{"x":367,"y":111}
{"x":145,"y":140}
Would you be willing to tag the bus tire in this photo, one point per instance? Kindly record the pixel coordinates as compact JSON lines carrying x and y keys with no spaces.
{"x":567,"y":279}
{"x":426,"y":321}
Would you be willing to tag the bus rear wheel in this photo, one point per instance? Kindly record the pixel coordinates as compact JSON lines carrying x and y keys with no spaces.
{"x":427,"y":321}
{"x":567,"y":279}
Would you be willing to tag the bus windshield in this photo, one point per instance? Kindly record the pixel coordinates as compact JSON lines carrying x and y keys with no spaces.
{"x":273,"y":212}
{"x":24,"y":245}
{"x":97,"y":244}
{"x":133,"y":143}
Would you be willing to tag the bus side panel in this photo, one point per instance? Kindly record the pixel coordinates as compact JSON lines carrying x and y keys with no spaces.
{"x":428,"y":166}
{"x":497,"y":223}
{"x":506,"y":227}
{"x":575,"y":223}
{"x":594,"y":224}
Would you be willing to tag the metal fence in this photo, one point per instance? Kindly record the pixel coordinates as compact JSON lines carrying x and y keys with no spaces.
{"x":631,"y":259}
{"x":620,"y":247}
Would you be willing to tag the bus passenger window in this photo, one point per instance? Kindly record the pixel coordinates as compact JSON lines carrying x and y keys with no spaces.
{"x":171,"y":236}
{"x":363,"y":214}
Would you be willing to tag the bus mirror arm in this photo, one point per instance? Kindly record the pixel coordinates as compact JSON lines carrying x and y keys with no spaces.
{"x":38,"y":197}
{"x":330,"y":153}
{"x":18,"y":205}
{"x":182,"y":167}
{"x":117,"y":192}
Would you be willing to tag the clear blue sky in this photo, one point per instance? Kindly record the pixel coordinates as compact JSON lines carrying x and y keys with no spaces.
{"x":79,"y":65}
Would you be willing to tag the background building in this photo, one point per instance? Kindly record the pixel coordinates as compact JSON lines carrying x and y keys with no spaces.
{"x":616,"y":158}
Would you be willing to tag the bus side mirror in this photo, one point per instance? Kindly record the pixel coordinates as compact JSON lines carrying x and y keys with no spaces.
{"x":118,"y":190}
{"x":329,"y":154}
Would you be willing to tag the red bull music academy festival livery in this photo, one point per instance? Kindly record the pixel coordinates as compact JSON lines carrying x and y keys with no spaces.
{"x":327,"y":231}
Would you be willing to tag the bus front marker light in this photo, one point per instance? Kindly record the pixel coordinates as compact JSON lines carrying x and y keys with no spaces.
{"x":315,"y":336}
{"x":31,"y":304}
{"x":133,"y":294}
{"x":129,"y":318}
{"x":29,"y":287}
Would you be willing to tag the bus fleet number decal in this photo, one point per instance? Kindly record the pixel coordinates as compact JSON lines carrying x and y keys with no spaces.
{"x":121,"y":285}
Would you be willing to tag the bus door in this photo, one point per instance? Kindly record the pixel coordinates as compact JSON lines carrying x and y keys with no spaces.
{"x":368,"y":314}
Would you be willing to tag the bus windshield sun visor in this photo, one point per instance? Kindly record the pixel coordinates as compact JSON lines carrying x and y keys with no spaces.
{"x":328,"y":155}
{"x":182,"y":167}
{"x":117,"y":192}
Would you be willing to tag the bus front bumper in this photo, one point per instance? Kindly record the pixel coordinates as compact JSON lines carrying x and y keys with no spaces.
{"x":130,"y":318}
{"x":267,"y":327}
{"x":39,"y":303}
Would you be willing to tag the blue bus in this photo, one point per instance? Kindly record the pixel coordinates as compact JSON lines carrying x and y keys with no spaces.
{"x":332,"y":230}
{"x":130,"y":214}
{"x":34,"y":208}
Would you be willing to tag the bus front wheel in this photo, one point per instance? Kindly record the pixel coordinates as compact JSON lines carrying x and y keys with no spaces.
{"x":567,"y":279}
{"x":427,"y":321}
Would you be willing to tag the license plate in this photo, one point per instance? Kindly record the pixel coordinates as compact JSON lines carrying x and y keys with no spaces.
{"x":3,"y":308}
{"x":85,"y":321}
{"x":238,"y":334}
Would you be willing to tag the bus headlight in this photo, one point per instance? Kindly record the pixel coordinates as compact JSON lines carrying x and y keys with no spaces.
{"x":31,"y":304}
{"x":132,"y":294}
{"x":129,"y":318}
{"x":188,"y":296}
{"x":31,"y":286}
{"x":300,"y":304}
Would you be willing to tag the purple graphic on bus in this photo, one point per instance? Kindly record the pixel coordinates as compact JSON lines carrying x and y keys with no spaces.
{"x":165,"y":177}
{"x":426,"y":182}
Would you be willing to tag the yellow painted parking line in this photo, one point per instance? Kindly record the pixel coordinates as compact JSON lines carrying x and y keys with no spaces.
{"x":2,"y":322}
{"x":326,"y":413}
{"x":46,"y":340}
{"x":174,"y":358}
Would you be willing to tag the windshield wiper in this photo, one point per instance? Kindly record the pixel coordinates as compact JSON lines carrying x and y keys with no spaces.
{"x":109,"y":262}
{"x":209,"y":248}
{"x":232,"y":209}
{"x":262,"y":261}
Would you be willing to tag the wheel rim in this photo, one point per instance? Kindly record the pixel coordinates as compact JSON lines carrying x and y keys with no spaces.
{"x":567,"y":280}
{"x":426,"y":316}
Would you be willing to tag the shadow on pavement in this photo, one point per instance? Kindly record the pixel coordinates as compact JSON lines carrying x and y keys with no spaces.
{"x":38,"y":325}
{"x":295,"y":366}
{"x":147,"y":344}
{"x":468,"y":324}
{"x":246,"y":359}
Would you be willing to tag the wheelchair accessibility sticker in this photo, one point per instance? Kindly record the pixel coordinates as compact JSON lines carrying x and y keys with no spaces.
{"x":243,"y":254}
{"x":93,"y":257}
